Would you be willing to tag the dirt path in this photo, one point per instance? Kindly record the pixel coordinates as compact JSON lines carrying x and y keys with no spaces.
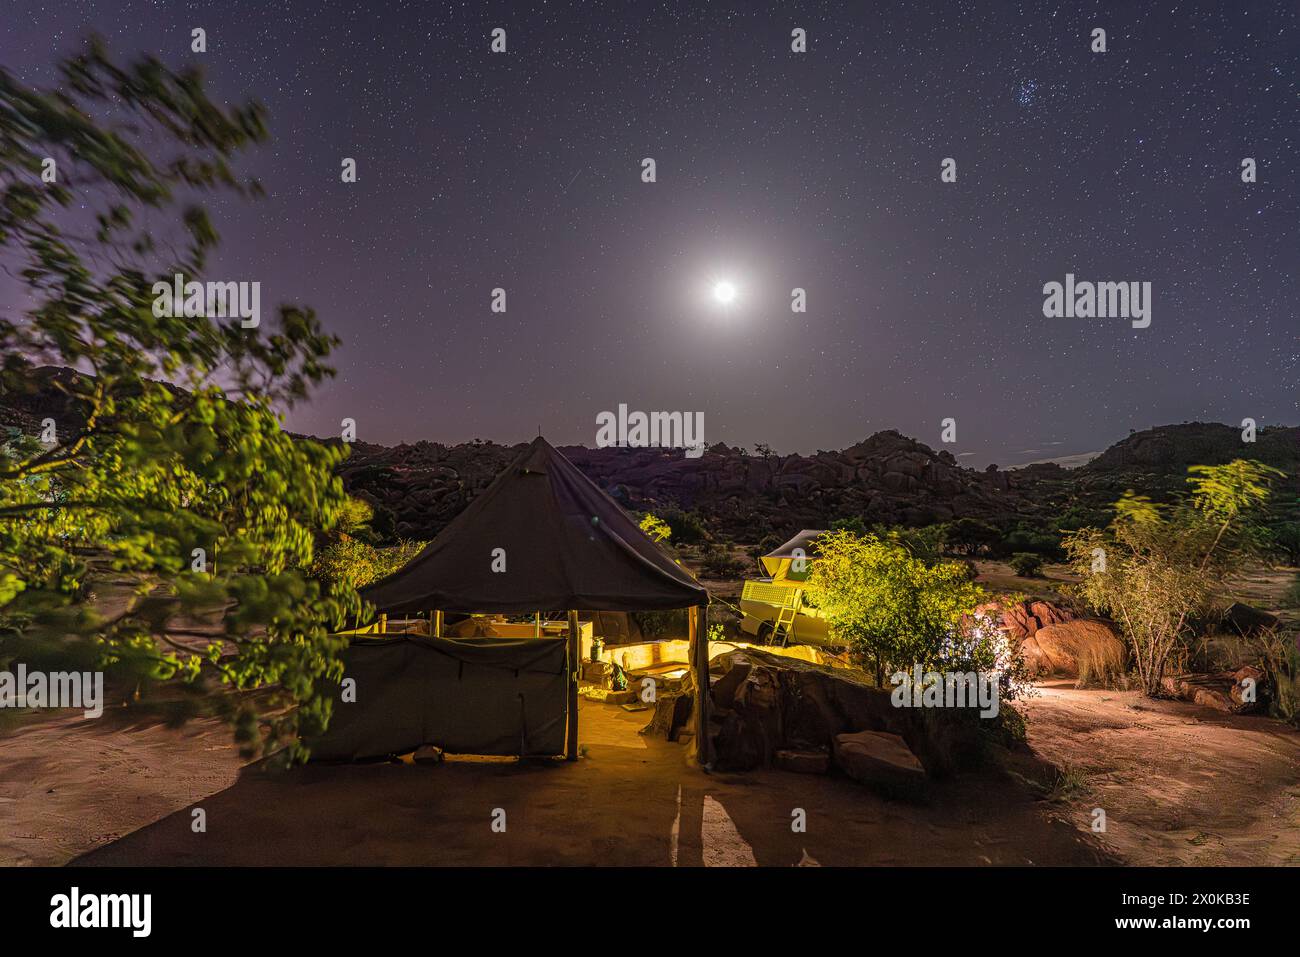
{"x":1179,"y":784}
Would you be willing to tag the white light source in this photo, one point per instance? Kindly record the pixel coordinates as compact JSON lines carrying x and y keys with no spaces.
{"x":724,"y":292}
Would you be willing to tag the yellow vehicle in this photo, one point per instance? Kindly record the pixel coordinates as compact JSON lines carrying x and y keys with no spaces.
{"x":774,"y":608}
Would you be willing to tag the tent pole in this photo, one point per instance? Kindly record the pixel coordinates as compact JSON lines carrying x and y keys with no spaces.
{"x":537,"y":624}
{"x":571,"y":745}
{"x":699,"y":647}
{"x":437,"y":623}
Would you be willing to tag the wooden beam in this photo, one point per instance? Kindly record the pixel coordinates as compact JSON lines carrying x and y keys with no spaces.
{"x":698,"y":632}
{"x":575,"y":666}
{"x":437,"y":623}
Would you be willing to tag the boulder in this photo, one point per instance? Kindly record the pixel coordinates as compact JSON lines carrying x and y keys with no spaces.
{"x":774,"y":703}
{"x":1222,"y":692}
{"x":881,"y":760}
{"x":671,"y":714}
{"x":1022,"y":619}
{"x":672,"y":710}
{"x":802,"y":762}
{"x":1064,"y":648}
{"x":1247,"y":620}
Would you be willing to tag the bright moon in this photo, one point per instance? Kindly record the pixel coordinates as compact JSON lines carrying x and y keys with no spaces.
{"x":724,"y":292}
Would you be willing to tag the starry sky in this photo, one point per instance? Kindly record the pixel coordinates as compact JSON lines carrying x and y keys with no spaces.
{"x":775,"y":170}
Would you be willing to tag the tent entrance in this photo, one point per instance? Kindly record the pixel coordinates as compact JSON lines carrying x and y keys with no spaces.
{"x":495,"y":685}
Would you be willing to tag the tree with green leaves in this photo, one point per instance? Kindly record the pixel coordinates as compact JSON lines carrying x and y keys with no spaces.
{"x":892,"y":609}
{"x":161,"y":526}
{"x":1157,"y":568}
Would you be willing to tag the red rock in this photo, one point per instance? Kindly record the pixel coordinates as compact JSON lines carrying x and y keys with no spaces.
{"x":1058,"y":649}
{"x":879,"y":759}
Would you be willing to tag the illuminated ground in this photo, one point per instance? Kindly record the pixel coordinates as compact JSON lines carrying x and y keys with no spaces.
{"x":1179,"y":783}
{"x":630,"y":801}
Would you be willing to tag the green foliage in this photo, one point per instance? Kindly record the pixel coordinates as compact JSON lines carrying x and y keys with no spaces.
{"x":143,"y":475}
{"x":671,"y":623}
{"x":1025,"y":536}
{"x":717,"y":561}
{"x":926,"y":544}
{"x":1027,"y":564}
{"x":970,"y":536}
{"x":1291,"y":597}
{"x":891,"y":609}
{"x":686,"y":527}
{"x":1158,"y":568}
{"x":354,"y":563}
{"x":1284,"y":540}
{"x":854,"y":524}
{"x":656,"y":528}
{"x":1225,"y":492}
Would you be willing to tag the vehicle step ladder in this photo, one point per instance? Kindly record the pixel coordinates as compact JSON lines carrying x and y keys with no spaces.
{"x":784,"y":623}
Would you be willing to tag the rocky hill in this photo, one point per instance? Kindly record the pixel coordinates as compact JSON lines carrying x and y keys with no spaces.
{"x":887,"y":478}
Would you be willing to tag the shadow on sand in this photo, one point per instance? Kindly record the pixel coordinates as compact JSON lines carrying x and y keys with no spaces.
{"x":631,"y":801}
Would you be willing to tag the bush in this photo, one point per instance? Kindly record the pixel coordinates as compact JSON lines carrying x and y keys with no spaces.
{"x":970,"y":536}
{"x":1280,"y":656}
{"x":686,"y":527}
{"x":719,"y":562}
{"x":1028,"y":537}
{"x":925,"y":544}
{"x":1284,"y":537}
{"x":656,"y":528}
{"x":1291,"y":599}
{"x":1027,"y":564}
{"x":672,"y":623}
{"x":1159,"y":569}
{"x":892,"y":609}
{"x":355,"y":563}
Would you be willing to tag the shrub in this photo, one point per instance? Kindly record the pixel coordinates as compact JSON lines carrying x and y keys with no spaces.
{"x":1157,"y":569}
{"x":719,"y":562}
{"x":1027,"y":564}
{"x":686,"y":528}
{"x":355,"y":563}
{"x":926,"y":543}
{"x":970,"y":536}
{"x":656,"y":528}
{"x":1285,"y":540}
{"x":1291,"y":598}
{"x":892,"y":610}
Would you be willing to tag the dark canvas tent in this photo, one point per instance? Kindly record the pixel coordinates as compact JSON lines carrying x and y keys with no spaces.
{"x":563,"y":542}
{"x":541,"y":537}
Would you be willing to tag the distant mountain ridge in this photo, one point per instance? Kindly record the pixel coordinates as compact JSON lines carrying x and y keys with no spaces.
{"x":887,"y":478}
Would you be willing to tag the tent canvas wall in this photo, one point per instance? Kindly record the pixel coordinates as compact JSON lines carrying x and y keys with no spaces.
{"x":500,"y":696}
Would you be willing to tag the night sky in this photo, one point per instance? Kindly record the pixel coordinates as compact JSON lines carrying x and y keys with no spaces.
{"x":775,"y":170}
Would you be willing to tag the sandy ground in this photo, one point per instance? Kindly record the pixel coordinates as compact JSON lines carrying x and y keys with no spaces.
{"x":68,"y":785}
{"x":1180,"y":784}
{"x":630,"y":800}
